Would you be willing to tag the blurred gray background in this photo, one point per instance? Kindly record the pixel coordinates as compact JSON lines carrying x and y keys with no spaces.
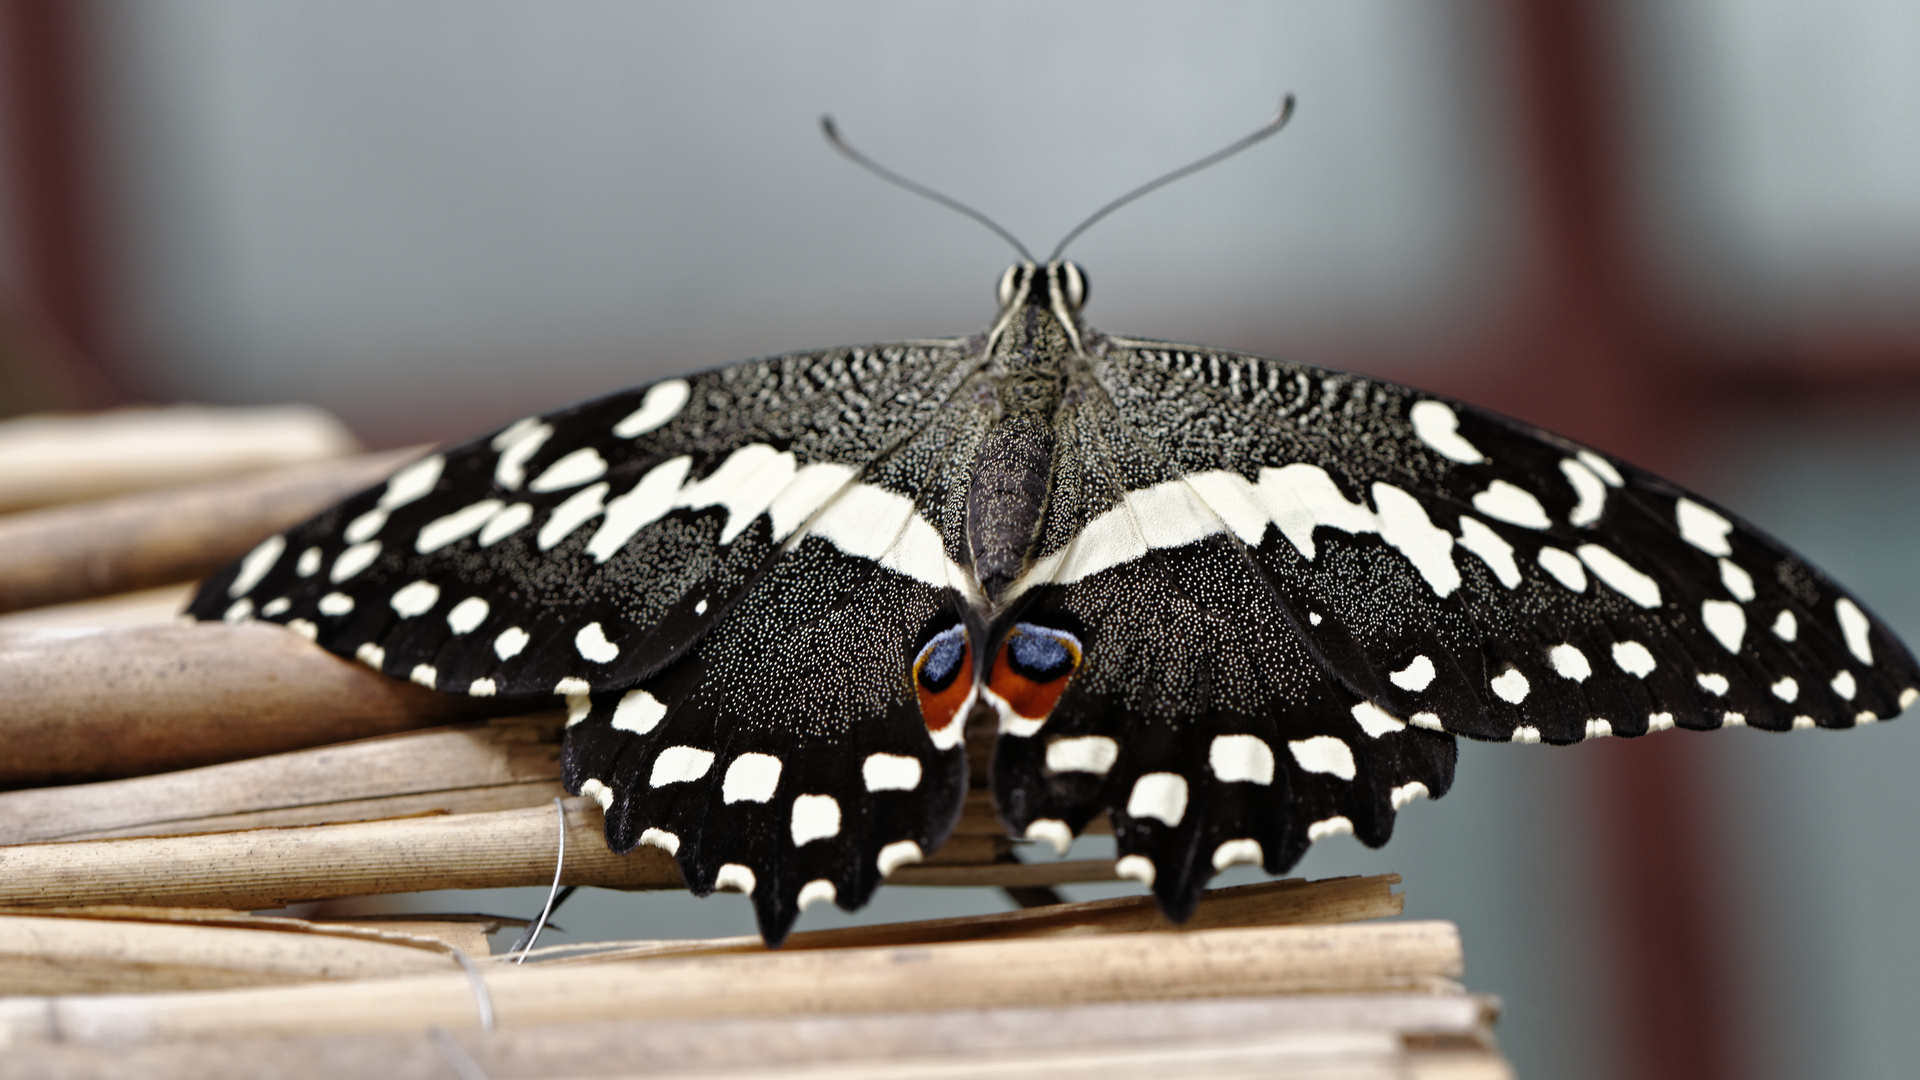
{"x":1687,"y":232}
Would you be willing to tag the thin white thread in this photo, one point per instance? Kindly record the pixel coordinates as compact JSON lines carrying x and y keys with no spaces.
{"x":455,"y":1055}
{"x":481,"y":996}
{"x":559,"y":862}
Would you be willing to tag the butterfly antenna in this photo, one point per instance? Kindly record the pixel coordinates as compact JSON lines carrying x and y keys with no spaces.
{"x":1279,"y":121}
{"x":884,"y":173}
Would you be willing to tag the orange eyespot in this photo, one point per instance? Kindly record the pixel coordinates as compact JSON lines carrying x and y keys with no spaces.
{"x":943,"y":676}
{"x":1033,"y":667}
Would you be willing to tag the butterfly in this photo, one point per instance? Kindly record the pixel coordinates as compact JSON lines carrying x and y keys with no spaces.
{"x":1238,"y":604}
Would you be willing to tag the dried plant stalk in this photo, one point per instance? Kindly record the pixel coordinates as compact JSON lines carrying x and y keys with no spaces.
{"x":148,"y":699}
{"x":1058,"y":971}
{"x":138,"y":541}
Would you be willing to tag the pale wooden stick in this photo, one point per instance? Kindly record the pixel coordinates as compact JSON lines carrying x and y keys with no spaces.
{"x":138,"y":541}
{"x":148,"y":607}
{"x":1058,"y":971}
{"x":275,"y":867}
{"x":87,"y":956}
{"x":51,"y":458}
{"x":817,"y":1046}
{"x":513,"y":762}
{"x":1289,"y":902}
{"x":148,"y":699}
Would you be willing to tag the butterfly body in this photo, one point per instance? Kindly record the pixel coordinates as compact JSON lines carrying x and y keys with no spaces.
{"x":1238,"y":604}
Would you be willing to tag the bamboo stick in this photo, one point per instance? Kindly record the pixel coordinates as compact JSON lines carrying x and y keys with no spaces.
{"x":266,"y":868}
{"x":80,"y":956}
{"x":49,"y":459}
{"x":1290,"y":902}
{"x":1055,"y":972}
{"x":138,"y":541}
{"x":148,"y":699}
{"x":147,"y":607}
{"x":814,"y":1046}
{"x":514,"y":762}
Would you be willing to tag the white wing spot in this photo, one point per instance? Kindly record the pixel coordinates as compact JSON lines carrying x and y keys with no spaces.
{"x":1787,"y":689}
{"x":890,"y":772}
{"x":425,"y":674}
{"x":817,"y":891}
{"x":1845,"y":685}
{"x":897,"y":854}
{"x":1725,"y":621}
{"x":456,"y":526}
{"x":733,"y":877}
{"x":1854,"y":627}
{"x":592,"y":644}
{"x":638,"y":712}
{"x":1714,"y":684}
{"x":1732,"y":719}
{"x":1785,"y":626}
{"x":510,"y":642}
{"x":1399,"y":797}
{"x":679,"y":765}
{"x":517,"y":445}
{"x":1241,"y":759}
{"x":1908,"y":697}
{"x":309,"y":563}
{"x":1050,"y":831}
{"x":415,"y":599}
{"x":1313,"y":617}
{"x":751,"y":778}
{"x":1430,"y":721}
{"x":1525,"y":733}
{"x":1333,"y":826}
{"x":700,"y":608}
{"x":371,"y":655}
{"x":1633,"y":658}
{"x":1569,"y":662}
{"x":1601,"y":468}
{"x":571,"y":687}
{"x":1702,"y":527}
{"x":1515,"y":505}
{"x":336,"y":603}
{"x":1416,"y":676}
{"x":1511,"y":686}
{"x":663,"y":402}
{"x":815,"y":817}
{"x":365,"y":526}
{"x":578,"y":706}
{"x":304,"y":628}
{"x":1866,"y":717}
{"x":1476,"y":537}
{"x":1599,"y":729}
{"x":506,"y":523}
{"x":1137,"y":867}
{"x":280,"y":606}
{"x":256,"y":564}
{"x":598,"y":792}
{"x":467,"y":615}
{"x":1660,"y":721}
{"x":1161,"y":795}
{"x":1565,"y":568}
{"x":1802,"y":723}
{"x":577,"y":468}
{"x":1235,"y":852}
{"x":1324,"y":754}
{"x":1590,"y":489}
{"x":1618,"y":576}
{"x":482,"y":688}
{"x":581,"y":507}
{"x":1376,"y":721}
{"x":662,"y":839}
{"x":1437,"y":426}
{"x":353,"y":560}
{"x":1088,"y":754}
{"x":413,"y":482}
{"x":1739,"y":583}
{"x":649,"y":501}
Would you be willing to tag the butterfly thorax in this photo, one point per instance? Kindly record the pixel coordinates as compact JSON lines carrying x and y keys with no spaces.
{"x":1034,"y":344}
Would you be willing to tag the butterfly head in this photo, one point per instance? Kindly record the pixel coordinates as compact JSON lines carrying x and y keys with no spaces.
{"x":1059,"y":283}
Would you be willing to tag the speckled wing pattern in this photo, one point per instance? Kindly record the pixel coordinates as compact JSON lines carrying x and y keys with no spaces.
{"x":1239,"y":604}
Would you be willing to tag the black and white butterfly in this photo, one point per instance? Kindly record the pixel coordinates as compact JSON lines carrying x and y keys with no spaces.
{"x":1238,"y":603}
